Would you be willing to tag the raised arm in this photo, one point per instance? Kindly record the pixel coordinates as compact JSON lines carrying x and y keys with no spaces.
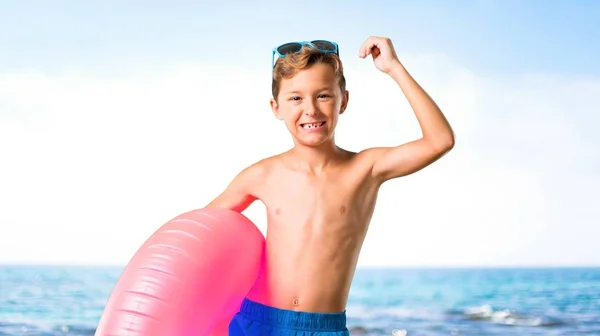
{"x":437,"y":135}
{"x":241,"y":191}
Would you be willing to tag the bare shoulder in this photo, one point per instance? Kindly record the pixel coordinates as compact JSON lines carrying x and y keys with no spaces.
{"x":256,"y":172}
{"x":366,"y":157}
{"x":245,"y":187}
{"x":358,"y":164}
{"x":266,"y":166}
{"x":369,"y":154}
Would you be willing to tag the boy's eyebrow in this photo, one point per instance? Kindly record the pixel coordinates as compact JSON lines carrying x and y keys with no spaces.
{"x":326,"y":88}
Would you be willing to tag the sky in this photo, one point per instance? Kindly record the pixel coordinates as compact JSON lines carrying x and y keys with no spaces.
{"x":115,"y":118}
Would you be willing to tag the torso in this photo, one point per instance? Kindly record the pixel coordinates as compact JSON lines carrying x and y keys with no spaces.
{"x":316,"y":228}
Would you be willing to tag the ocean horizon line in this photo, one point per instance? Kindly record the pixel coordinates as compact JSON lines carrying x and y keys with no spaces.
{"x":360,"y":267}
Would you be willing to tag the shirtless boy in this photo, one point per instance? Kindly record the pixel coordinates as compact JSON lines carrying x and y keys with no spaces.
{"x":319,"y":197}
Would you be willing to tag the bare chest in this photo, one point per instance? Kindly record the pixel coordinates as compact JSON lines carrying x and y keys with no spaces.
{"x":300,"y":199}
{"x":304,"y":195}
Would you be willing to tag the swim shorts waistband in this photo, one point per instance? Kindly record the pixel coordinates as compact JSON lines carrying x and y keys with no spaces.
{"x":293,"y":319}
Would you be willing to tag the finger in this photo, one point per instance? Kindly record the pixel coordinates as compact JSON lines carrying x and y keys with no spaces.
{"x":379,"y":45}
{"x":362,"y":49}
{"x":386,"y":43}
{"x":367,"y":50}
{"x":367,"y":47}
{"x":376,"y":41}
{"x":375,"y":52}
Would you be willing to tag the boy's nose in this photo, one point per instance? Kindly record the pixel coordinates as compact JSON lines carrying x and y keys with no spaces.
{"x":310,"y":109}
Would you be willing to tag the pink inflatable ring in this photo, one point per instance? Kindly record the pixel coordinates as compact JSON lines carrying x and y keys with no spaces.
{"x":188,"y":278}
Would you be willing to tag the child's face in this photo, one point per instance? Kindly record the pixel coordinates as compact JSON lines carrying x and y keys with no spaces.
{"x":309,"y":103}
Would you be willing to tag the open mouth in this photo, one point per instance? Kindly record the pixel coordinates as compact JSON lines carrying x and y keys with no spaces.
{"x":313,"y":125}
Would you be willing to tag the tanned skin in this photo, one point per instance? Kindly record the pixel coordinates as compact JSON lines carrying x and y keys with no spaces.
{"x":319,"y":197}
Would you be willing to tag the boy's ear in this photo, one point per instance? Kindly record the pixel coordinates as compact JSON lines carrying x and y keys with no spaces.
{"x":344,"y":104}
{"x":275,"y":109}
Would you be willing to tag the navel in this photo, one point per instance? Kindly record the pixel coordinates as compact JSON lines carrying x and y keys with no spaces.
{"x":296,"y":302}
{"x":343,"y":209}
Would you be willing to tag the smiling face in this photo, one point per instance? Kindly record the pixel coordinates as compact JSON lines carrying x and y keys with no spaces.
{"x":309,"y":103}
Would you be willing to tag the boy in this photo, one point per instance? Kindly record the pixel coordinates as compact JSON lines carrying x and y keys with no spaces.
{"x":320,"y":197}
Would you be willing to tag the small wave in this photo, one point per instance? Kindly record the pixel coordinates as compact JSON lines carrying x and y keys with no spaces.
{"x":363,"y":312}
{"x":369,"y":321}
{"x":366,"y":331}
{"x":506,"y":317}
{"x":38,"y":329}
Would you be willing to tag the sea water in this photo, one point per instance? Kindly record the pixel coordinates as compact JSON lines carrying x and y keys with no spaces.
{"x":63,"y":300}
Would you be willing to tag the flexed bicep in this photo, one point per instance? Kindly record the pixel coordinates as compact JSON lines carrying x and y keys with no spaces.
{"x":393,"y":162}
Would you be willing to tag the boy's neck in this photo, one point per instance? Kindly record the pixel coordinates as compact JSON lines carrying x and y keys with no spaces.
{"x":315,"y":159}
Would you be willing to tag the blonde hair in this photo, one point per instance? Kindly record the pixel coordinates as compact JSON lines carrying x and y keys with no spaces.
{"x":291,"y":64}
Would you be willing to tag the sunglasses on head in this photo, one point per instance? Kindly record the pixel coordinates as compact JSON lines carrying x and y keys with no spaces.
{"x":295,"y":47}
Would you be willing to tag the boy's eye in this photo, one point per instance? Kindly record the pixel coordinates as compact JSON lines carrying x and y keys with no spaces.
{"x":321,"y":96}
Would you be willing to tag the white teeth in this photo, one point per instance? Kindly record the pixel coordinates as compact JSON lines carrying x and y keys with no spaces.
{"x":313,"y":125}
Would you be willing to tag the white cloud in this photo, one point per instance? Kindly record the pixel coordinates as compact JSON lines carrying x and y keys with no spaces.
{"x":511,"y":192}
{"x":92,"y":165}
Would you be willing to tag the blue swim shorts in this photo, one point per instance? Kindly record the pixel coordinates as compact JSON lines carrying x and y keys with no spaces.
{"x":257,"y":319}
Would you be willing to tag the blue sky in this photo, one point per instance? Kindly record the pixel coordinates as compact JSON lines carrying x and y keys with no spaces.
{"x":496,"y":36}
{"x":115,"y":117}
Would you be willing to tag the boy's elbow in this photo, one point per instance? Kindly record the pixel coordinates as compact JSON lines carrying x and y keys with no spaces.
{"x":448,"y":143}
{"x":444,"y":144}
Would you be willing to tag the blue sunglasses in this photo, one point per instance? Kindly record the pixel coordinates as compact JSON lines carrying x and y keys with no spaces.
{"x":295,"y":47}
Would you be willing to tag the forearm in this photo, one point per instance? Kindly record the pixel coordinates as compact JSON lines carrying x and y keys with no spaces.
{"x":237,"y":203}
{"x":433,"y":123}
